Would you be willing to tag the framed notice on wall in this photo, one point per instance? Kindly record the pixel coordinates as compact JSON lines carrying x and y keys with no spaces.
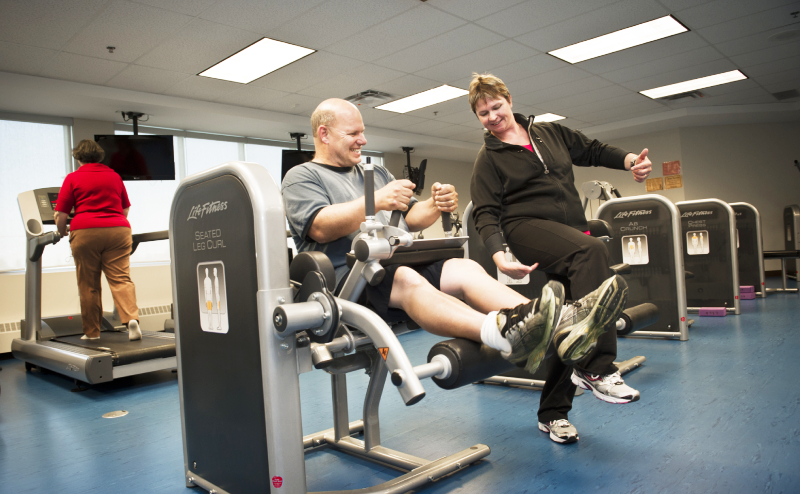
{"x":673,"y":182}
{"x":671,"y":168}
{"x":654,"y":184}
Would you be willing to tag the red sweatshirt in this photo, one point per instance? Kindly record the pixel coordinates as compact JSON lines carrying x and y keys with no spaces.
{"x":98,"y":196}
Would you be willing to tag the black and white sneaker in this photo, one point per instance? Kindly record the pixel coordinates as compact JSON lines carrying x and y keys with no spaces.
{"x":586,"y":319}
{"x":561,"y":431}
{"x":610,"y":388}
{"x":529,"y":327}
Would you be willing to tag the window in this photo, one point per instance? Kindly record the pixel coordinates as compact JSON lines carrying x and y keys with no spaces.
{"x":32,"y":156}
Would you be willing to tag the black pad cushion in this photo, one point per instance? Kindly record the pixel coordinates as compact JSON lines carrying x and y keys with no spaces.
{"x":417,"y":257}
{"x":600,"y":228}
{"x":780,"y":254}
{"x":305,"y":262}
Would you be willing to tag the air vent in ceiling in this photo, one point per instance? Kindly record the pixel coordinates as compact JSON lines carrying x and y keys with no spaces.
{"x":784,"y":36}
{"x":370,"y":97}
{"x":687,"y":94}
{"x":783,"y":95}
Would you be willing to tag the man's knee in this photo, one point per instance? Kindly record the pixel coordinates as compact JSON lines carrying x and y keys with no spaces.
{"x":406,"y":278}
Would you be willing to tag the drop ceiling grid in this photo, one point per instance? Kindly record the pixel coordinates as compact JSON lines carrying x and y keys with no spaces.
{"x":46,"y":23}
{"x":481,"y":61}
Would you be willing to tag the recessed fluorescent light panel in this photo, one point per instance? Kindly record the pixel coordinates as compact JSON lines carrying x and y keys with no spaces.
{"x":423,"y":99}
{"x":548,"y":117}
{"x":257,"y":60}
{"x":694,"y":84}
{"x":620,"y":40}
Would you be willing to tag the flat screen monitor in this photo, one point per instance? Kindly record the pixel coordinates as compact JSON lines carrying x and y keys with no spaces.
{"x":139,"y":157}
{"x":292,"y":158}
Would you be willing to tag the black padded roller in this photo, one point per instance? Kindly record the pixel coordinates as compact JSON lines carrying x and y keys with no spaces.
{"x":471,"y":362}
{"x":305,"y":262}
{"x":638,"y":318}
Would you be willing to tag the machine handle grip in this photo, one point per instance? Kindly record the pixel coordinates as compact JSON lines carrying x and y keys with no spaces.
{"x":369,"y":190}
{"x":395,"y":219}
{"x":447,"y":224}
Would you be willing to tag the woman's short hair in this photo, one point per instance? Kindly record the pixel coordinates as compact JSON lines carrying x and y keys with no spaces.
{"x":88,"y":151}
{"x":486,"y":86}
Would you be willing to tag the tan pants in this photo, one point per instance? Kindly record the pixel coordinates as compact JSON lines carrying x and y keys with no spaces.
{"x":107,"y":250}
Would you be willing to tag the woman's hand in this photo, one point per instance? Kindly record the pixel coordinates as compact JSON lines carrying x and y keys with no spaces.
{"x":641,"y":166}
{"x":512,"y":269}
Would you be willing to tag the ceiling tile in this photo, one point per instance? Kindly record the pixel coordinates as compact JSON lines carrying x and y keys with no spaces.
{"x":463,"y":118}
{"x":407,"y":85}
{"x":401,"y":121}
{"x":680,"y":75}
{"x":613,"y":105}
{"x":719,"y":11}
{"x":147,"y":79}
{"x":751,"y":24}
{"x":472,"y":9}
{"x":655,"y":50}
{"x":79,"y":68}
{"x":258,"y":16}
{"x":407,"y":29}
{"x":373,"y":117}
{"x":296,"y":104}
{"x":480,"y":61}
{"x":676,"y":5}
{"x":198,"y":46}
{"x":475,"y":136}
{"x":45,"y":23}
{"x":558,"y":77}
{"x":599,"y":97}
{"x":574,"y":92}
{"x":308,"y":71}
{"x":590,"y":25}
{"x":352,"y":82}
{"x":335,"y":20}
{"x":749,"y":96}
{"x":455,"y":43}
{"x":755,"y":42}
{"x":188,"y":7}
{"x":762,"y":69}
{"x":23,"y":59}
{"x":532,"y":15}
{"x":443,"y":109}
{"x":667,"y":64}
{"x":732,"y":87}
{"x":782,"y":86}
{"x":773,"y":53}
{"x":252,"y":96}
{"x":601,"y":118}
{"x":202,"y":88}
{"x":778,"y":77}
{"x":531,"y":67}
{"x":133,"y":29}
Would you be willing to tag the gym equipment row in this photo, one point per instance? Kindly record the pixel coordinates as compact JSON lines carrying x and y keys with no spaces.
{"x":55,"y":343}
{"x":789,"y":256}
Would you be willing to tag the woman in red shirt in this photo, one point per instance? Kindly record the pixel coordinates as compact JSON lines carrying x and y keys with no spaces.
{"x":100,"y":238}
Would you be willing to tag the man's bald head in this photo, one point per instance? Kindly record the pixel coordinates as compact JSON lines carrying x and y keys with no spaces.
{"x":327,"y":111}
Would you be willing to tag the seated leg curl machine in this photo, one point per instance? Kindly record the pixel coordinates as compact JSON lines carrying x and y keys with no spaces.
{"x":242,"y":344}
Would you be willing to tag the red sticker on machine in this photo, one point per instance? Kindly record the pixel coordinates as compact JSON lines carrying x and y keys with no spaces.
{"x":384,"y":352}
{"x":277,"y":481}
{"x":683,"y":319}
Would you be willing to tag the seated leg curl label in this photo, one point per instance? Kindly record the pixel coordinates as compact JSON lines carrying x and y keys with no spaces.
{"x":697,"y":242}
{"x":634,"y":250}
{"x":212,"y":294}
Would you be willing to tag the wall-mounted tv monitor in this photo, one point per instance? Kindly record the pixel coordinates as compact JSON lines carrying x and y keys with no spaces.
{"x":292,"y":158}
{"x":139,"y":157}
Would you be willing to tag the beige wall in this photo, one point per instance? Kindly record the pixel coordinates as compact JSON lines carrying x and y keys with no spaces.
{"x":457,"y":173}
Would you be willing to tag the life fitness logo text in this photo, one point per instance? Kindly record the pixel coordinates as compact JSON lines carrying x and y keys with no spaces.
{"x":630,"y":214}
{"x":210,"y":207}
{"x":692,"y":214}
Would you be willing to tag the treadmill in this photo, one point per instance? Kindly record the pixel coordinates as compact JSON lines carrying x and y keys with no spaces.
{"x":55,"y":343}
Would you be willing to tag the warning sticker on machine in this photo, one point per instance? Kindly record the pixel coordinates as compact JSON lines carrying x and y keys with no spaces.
{"x":384,"y":352}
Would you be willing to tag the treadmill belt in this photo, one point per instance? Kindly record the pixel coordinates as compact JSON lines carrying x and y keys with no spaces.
{"x":122,"y":350}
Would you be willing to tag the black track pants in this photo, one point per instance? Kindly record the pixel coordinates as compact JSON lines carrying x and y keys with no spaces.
{"x":565,"y":254}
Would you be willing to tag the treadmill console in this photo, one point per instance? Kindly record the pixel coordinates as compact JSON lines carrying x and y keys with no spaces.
{"x":37,"y":208}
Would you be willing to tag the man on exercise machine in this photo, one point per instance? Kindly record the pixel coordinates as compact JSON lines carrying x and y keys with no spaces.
{"x":325,"y":206}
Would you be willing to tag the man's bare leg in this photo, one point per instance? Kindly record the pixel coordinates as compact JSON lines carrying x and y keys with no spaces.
{"x":436,"y":311}
{"x":467,"y":280}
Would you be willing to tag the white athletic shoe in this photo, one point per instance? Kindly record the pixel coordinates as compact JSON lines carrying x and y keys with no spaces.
{"x":610,"y":388}
{"x":561,"y":431}
{"x":84,"y":337}
{"x":134,"y":333}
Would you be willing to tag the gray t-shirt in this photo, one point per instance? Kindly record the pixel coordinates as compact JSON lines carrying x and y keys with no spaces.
{"x":309,"y":187}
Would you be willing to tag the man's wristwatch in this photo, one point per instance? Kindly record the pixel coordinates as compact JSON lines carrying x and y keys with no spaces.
{"x":633,"y":162}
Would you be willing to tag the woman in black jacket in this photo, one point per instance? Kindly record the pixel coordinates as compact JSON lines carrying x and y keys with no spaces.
{"x":523,"y":192}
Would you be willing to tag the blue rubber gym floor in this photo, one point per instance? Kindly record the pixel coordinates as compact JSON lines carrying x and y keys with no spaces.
{"x":719,"y":413}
